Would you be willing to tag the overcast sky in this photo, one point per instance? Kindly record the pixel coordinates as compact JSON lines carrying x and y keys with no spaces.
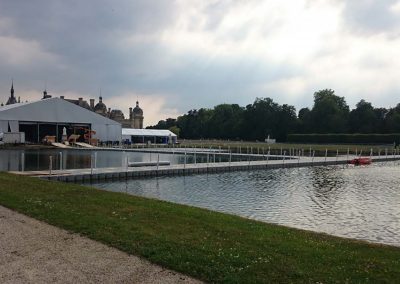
{"x":177,"y":55}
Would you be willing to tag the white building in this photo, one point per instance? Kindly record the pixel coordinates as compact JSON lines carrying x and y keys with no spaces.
{"x":49,"y":117}
{"x":154,"y":136}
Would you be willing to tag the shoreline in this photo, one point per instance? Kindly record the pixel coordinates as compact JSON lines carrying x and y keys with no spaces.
{"x":207,"y":245}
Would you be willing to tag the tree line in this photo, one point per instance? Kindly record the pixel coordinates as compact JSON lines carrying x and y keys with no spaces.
{"x":329,"y":114}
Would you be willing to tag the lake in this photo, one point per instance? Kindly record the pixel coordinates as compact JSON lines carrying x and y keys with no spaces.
{"x":346,"y":201}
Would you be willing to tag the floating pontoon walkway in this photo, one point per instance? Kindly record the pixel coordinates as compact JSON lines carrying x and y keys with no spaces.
{"x":99,"y":174}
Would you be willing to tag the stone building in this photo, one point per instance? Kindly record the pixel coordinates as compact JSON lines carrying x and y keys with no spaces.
{"x":135,"y":119}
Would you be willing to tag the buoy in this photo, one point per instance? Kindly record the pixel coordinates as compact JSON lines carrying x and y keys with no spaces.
{"x":360,"y":161}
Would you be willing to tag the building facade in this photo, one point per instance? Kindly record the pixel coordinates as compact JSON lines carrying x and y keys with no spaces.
{"x":135,"y":119}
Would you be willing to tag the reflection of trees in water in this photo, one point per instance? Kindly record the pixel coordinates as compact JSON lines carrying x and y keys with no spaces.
{"x":326,"y":183}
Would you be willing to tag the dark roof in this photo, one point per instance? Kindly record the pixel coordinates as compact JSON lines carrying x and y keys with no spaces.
{"x":137,"y":109}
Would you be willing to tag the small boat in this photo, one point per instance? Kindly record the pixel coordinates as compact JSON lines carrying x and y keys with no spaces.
{"x":360,"y":161}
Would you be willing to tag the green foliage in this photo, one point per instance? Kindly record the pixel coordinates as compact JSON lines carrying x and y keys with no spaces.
{"x":174,"y":129}
{"x":329,"y":114}
{"x":213,"y":247}
{"x":265,"y":117}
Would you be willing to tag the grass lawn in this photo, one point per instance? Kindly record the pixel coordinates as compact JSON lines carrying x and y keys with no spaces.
{"x":276,"y":148}
{"x":210,"y":246}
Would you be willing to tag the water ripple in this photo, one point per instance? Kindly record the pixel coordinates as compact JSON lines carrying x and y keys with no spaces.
{"x":354,"y":202}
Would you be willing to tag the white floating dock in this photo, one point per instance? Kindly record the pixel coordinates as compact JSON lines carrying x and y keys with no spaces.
{"x":148,"y":164}
{"x":88,"y":175}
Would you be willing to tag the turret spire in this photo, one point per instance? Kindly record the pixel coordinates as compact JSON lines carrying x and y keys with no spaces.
{"x":12,"y":88}
{"x":11,"y":100}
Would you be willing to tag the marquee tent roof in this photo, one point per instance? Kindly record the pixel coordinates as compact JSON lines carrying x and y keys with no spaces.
{"x":147,"y":132}
{"x":53,"y":110}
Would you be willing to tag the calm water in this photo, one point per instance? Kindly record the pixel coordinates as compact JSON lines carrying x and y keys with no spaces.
{"x":12,"y":160}
{"x":354,"y":202}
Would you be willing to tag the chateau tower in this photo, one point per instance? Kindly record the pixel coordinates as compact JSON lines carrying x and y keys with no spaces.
{"x":11,"y":100}
{"x":100,"y":107}
{"x":136,"y":117}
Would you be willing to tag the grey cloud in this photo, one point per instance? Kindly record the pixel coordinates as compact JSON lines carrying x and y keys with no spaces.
{"x":86,"y":36}
{"x":371,"y":17}
{"x":88,"y":40}
{"x":205,"y":83}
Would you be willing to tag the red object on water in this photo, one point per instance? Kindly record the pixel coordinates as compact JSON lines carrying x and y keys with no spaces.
{"x":360,"y":161}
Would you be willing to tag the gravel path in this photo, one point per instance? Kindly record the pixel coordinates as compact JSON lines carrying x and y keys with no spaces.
{"x":35,"y":252}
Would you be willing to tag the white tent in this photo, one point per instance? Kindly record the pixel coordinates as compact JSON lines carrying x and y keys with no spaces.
{"x":51,"y":115}
{"x":161,"y":136}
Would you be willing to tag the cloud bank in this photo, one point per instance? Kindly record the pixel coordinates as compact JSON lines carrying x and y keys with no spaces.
{"x":177,"y":55}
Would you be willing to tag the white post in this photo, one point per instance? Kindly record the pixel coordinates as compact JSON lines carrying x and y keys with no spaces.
{"x":370,"y":154}
{"x":184,"y":165}
{"x":348,"y":152}
{"x":91,"y":163}
{"x":50,"y":164}
{"x":298,"y":157}
{"x":326,"y":154}
{"x":158,"y":160}
{"x":95,"y":160}
{"x":195,"y":162}
{"x":284,"y":155}
{"x":310,"y":152}
{"x":337,"y":155}
{"x":61,"y":160}
{"x":22,"y":162}
{"x":313,"y":155}
{"x":230,"y":158}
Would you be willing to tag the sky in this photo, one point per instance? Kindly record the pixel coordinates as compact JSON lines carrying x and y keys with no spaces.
{"x":174,"y":56}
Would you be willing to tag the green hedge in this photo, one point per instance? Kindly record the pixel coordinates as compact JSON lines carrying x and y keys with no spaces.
{"x":341,"y":138}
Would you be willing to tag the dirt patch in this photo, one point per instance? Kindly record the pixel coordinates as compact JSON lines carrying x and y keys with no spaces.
{"x":35,"y":252}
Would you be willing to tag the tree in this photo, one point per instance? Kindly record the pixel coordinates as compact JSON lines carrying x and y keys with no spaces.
{"x":392,"y":120}
{"x":226,"y":121}
{"x":329,"y":113}
{"x":304,"y":121}
{"x":174,"y":129}
{"x":265,"y":117}
{"x":363,"y":119}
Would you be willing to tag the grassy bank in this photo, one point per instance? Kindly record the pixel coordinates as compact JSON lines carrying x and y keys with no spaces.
{"x":211,"y":246}
{"x":260,"y":147}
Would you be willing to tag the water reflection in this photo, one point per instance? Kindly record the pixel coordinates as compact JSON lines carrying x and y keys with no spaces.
{"x":355,"y":202}
{"x":32,"y":160}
